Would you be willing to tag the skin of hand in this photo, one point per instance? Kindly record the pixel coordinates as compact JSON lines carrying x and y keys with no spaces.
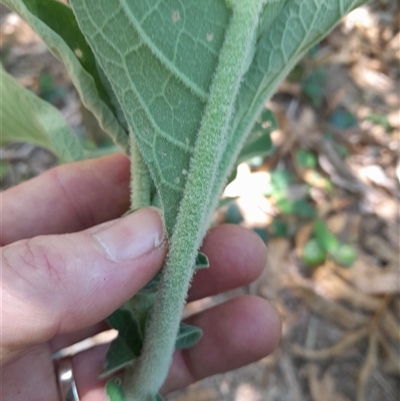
{"x":68,"y":261}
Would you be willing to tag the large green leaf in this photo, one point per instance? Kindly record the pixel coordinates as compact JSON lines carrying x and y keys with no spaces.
{"x":161,"y":72}
{"x":160,"y":57}
{"x":26,"y":118}
{"x":55,"y":23}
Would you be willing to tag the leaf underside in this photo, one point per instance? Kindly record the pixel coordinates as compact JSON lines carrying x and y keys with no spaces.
{"x":160,"y":57}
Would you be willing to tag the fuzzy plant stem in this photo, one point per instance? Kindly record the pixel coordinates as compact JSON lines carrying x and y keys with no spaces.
{"x":144,"y":380}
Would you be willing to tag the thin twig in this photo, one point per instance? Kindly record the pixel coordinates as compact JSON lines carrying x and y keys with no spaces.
{"x":333,"y":351}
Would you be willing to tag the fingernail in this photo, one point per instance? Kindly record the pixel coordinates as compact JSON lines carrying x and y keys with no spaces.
{"x":133,"y":236}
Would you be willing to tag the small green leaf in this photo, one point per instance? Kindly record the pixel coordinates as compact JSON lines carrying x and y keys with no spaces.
{"x":343,"y":119}
{"x":262,"y":233}
{"x":259,"y":142}
{"x":325,"y":238}
{"x":158,"y":398}
{"x":26,"y":118}
{"x":379,"y":119}
{"x":188,"y":336}
{"x":306,"y":159}
{"x":280,"y":228}
{"x":114,"y":390}
{"x":313,"y":86}
{"x":345,"y":255}
{"x":233,"y":215}
{"x":127,"y":346}
{"x":285,"y":205}
{"x":303,"y":208}
{"x":202,"y":261}
{"x":281,"y":179}
{"x":313,"y":254}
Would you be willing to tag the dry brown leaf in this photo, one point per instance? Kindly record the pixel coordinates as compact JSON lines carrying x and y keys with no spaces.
{"x":302,"y":237}
{"x":331,"y":285}
{"x":247,"y":392}
{"x":331,"y":352}
{"x":370,"y":79}
{"x":372,"y":279}
{"x":383,"y":283}
{"x":322,"y":389}
{"x":380,"y":247}
{"x":368,"y":366}
{"x":390,"y":325}
{"x":394,"y":117}
{"x":313,"y":178}
{"x":330,"y":309}
{"x":392,"y":357}
{"x":289,"y":372}
{"x":272,"y":280}
{"x":198,"y":394}
{"x":337,"y":222}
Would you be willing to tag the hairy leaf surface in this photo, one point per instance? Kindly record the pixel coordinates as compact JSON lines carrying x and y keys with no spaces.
{"x":161,"y":70}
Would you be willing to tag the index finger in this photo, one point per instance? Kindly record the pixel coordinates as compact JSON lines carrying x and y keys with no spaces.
{"x":67,"y":198}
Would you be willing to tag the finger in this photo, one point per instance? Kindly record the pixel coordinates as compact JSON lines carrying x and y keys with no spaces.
{"x":228,"y":270}
{"x":237,"y":257}
{"x":235,"y":334}
{"x":30,"y":376}
{"x":64,"y":283}
{"x":65,"y":340}
{"x":67,"y":198}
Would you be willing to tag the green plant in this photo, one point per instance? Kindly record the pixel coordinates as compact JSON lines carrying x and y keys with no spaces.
{"x":179,"y":86}
{"x":323,"y":244}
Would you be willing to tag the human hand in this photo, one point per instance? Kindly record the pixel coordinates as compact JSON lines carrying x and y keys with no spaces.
{"x":58,"y":288}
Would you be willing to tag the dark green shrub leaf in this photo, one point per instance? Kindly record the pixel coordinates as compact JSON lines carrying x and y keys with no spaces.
{"x":233,"y":215}
{"x":306,"y":159}
{"x":127,"y":346}
{"x":259,"y":142}
{"x":303,"y":208}
{"x":313,"y":254}
{"x":188,"y":336}
{"x":345,"y":255}
{"x":202,"y":261}
{"x":325,"y":238}
{"x":114,"y":389}
{"x":343,"y":119}
{"x":313,"y":86}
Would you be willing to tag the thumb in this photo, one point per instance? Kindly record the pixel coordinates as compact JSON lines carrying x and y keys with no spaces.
{"x":63,"y":283}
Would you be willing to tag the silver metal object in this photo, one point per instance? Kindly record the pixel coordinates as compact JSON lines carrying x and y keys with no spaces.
{"x":66,"y":381}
